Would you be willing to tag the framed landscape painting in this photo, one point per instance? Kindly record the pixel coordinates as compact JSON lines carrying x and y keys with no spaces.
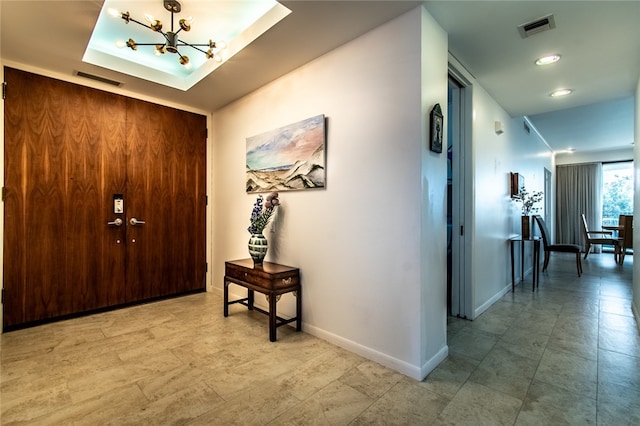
{"x":289,"y":158}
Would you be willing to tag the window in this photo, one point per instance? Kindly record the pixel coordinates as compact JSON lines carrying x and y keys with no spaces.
{"x":617,"y":191}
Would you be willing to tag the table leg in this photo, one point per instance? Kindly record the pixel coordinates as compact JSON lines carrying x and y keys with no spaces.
{"x":299,"y":309}
{"x":533,"y":272}
{"x":272,"y":317}
{"x":250,"y":299}
{"x":522,"y":260}
{"x":226,"y":298}
{"x":513,"y":276}
{"x":536,"y":266}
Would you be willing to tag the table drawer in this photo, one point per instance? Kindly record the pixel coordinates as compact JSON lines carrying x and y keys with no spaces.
{"x":263,"y":279}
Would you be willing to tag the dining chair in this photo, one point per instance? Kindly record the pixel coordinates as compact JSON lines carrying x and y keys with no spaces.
{"x":597,"y":237}
{"x":561,"y":248}
{"x":625,"y":236}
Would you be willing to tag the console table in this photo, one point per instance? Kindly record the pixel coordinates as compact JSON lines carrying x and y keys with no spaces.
{"x":270,"y":279}
{"x":536,"y":260}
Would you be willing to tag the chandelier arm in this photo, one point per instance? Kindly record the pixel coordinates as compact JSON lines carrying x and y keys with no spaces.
{"x":140,"y":23}
{"x":193,"y":46}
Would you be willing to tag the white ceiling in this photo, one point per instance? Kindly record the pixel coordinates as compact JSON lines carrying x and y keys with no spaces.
{"x":599,"y":42}
{"x":600,"y":46}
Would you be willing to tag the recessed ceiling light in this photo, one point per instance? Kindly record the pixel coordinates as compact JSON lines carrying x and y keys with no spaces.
{"x":546,"y":60}
{"x":560,"y":92}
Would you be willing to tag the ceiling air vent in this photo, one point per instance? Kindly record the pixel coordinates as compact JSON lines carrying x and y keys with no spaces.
{"x":539,"y":25}
{"x":98,"y":78}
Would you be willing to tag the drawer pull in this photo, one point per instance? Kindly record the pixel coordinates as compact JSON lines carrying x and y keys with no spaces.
{"x":286,"y":281}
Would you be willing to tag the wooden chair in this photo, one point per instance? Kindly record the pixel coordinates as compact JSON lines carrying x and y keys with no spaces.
{"x":597,"y":237}
{"x":625,"y":236}
{"x":562,"y":248}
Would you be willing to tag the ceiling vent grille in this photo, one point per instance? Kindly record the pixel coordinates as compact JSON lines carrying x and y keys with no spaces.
{"x":539,"y":25}
{"x":98,"y":78}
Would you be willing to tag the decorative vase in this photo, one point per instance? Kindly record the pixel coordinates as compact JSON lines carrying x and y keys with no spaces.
{"x":258,"y":247}
{"x":526,"y":227}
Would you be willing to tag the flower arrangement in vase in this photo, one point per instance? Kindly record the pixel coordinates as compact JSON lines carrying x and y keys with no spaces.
{"x":528,"y":201}
{"x":260,"y":216}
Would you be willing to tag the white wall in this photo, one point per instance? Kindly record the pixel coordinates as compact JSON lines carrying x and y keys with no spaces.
{"x":433,"y":300}
{"x":368,"y":256}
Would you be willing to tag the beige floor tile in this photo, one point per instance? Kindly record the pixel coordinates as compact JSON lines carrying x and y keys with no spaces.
{"x":479,"y":405}
{"x":371,"y":379}
{"x":568,"y":371}
{"x":618,"y":405}
{"x":619,"y":369}
{"x":405,"y":403}
{"x":546,"y":404}
{"x":450,"y":375}
{"x":620,"y":341}
{"x":258,"y":406}
{"x":318,"y":372}
{"x":101,"y":409}
{"x":505,"y":371}
{"x":472,"y":343}
{"x":528,"y":345}
{"x":335,"y":404}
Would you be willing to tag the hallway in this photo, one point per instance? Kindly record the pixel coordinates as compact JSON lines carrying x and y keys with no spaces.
{"x":566,"y":354}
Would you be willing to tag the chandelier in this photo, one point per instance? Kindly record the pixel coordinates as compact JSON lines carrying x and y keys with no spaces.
{"x":171,"y":41}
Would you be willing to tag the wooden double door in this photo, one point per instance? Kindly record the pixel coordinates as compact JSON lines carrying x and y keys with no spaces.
{"x":104,"y":200}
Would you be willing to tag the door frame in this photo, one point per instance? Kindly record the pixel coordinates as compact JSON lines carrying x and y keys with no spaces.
{"x":462,"y":196}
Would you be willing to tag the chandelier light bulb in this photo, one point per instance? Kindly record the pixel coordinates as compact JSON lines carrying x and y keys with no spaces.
{"x":120,"y":44}
{"x":185,"y":24}
{"x":115,"y":13}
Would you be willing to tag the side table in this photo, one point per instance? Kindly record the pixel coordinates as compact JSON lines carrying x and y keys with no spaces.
{"x":536,"y":260}
{"x":270,"y":279}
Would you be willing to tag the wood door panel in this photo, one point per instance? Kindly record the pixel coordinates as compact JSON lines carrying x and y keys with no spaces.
{"x":64,"y":156}
{"x":166,"y":174}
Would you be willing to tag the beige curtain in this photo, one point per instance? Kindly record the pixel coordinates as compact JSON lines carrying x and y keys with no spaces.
{"x":579,"y":190}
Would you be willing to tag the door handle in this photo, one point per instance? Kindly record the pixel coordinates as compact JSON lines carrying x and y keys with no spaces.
{"x":116,"y":222}
{"x":135,"y":221}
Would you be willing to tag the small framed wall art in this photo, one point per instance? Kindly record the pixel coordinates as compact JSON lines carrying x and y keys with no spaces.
{"x":435,"y":129}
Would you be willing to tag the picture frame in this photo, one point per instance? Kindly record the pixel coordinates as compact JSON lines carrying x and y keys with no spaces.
{"x":288,"y":158}
{"x":516,"y":182}
{"x":435,"y":129}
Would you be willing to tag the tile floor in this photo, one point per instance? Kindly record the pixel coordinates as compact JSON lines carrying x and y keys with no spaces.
{"x":566,"y":354}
